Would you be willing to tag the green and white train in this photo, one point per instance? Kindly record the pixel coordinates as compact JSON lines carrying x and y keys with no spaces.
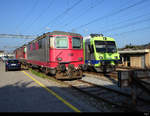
{"x":100,"y":53}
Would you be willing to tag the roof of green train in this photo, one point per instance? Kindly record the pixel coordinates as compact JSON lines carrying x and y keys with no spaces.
{"x":103,"y":38}
{"x":100,"y":38}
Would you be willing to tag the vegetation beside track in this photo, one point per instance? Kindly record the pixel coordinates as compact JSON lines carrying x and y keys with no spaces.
{"x":39,"y":74}
{"x":42,"y":75}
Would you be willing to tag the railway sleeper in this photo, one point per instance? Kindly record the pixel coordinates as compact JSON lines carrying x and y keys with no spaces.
{"x":102,"y":92}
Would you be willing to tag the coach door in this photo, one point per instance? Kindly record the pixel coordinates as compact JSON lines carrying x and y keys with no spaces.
{"x":46,"y":49}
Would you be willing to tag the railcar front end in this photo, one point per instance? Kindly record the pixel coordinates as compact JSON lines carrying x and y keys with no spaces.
{"x":101,"y":53}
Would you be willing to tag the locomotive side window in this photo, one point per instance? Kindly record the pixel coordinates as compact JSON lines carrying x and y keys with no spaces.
{"x":76,"y":42}
{"x":33,"y":46}
{"x":28,"y":47}
{"x":40,"y":43}
{"x":61,"y":42}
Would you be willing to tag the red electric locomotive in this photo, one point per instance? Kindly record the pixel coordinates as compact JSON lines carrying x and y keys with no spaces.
{"x":58,"y":53}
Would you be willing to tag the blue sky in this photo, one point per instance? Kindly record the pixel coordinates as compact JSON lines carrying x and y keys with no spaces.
{"x":127,"y":21}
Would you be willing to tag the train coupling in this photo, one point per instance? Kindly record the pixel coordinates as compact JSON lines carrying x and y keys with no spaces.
{"x":69,"y":72}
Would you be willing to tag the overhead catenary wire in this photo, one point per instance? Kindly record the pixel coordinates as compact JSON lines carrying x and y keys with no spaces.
{"x":112,"y":14}
{"x":68,"y":10}
{"x":127,"y":25}
{"x":117,"y":24}
{"x":131,"y":31}
{"x":41,"y":14}
{"x":125,"y":21}
{"x":83,"y":13}
{"x":86,"y":11}
{"x":62,"y":14}
{"x":28,"y":14}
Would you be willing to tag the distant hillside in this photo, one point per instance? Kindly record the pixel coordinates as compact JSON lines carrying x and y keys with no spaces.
{"x":135,"y":47}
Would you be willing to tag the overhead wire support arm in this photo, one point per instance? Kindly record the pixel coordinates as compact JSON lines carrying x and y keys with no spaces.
{"x":17,"y":36}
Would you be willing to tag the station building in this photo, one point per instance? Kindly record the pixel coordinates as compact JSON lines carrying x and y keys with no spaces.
{"x":1,"y":53}
{"x":135,"y":58}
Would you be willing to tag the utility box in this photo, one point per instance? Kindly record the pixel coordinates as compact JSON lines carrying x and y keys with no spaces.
{"x":123,"y":78}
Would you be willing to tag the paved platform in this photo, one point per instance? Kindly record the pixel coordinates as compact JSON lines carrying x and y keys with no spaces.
{"x":19,"y":93}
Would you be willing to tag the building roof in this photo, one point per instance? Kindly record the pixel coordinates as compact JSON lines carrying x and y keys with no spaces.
{"x":1,"y":51}
{"x":133,"y":51}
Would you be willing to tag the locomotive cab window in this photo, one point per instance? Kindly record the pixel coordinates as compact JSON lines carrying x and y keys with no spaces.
{"x":111,"y":47}
{"x":105,"y":46}
{"x":76,"y":42}
{"x":61,"y":42}
{"x":100,"y":46}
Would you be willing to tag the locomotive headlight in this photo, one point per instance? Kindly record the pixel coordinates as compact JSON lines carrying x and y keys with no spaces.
{"x":116,"y":57}
{"x":80,"y":58}
{"x":59,"y":59}
{"x":100,"y":57}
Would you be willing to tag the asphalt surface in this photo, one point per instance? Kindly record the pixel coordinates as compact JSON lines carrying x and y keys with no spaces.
{"x":19,"y":93}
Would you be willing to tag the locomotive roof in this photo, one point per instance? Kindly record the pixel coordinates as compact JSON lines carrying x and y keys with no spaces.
{"x":57,"y":33}
{"x":63,"y":33}
{"x":54,"y":33}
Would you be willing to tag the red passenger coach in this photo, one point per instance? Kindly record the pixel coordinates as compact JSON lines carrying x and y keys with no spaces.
{"x":21,"y":53}
{"x":58,"y":53}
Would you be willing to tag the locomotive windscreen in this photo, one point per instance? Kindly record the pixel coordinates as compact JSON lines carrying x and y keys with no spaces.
{"x":76,"y":42}
{"x":105,"y":46}
{"x":111,"y":47}
{"x":61,"y":42}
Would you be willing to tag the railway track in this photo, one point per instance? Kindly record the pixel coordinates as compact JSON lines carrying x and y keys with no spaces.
{"x":120,"y":100}
{"x":112,"y":75}
{"x":108,"y":76}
